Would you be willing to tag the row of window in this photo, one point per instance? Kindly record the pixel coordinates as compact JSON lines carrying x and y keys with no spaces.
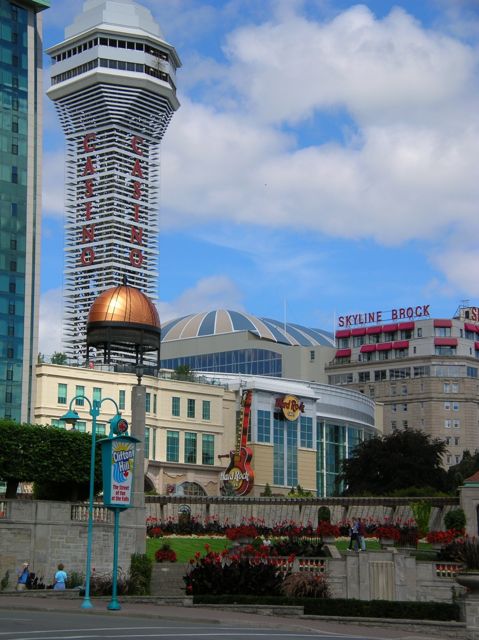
{"x":250,"y":361}
{"x":305,"y":426}
{"x":190,"y":448}
{"x":190,"y":408}
{"x":110,"y":64}
{"x":424,"y":371}
{"x":190,"y":451}
{"x":111,"y":42}
{"x":175,"y":401}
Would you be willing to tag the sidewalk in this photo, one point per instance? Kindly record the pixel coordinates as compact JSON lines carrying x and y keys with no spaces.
{"x":234,"y":614}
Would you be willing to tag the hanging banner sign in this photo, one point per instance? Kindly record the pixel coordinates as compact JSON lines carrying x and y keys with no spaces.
{"x":118,"y":464}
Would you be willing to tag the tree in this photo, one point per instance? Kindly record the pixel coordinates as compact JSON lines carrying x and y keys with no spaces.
{"x":385,"y":464}
{"x":59,"y":358}
{"x":50,"y":457}
{"x":183,"y":372}
{"x":464,"y":469}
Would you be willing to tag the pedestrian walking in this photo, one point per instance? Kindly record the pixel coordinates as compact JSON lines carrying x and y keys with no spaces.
{"x":23,"y":576}
{"x":353,"y":536}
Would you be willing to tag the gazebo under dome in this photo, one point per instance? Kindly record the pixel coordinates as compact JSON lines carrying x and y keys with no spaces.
{"x":124,"y":321}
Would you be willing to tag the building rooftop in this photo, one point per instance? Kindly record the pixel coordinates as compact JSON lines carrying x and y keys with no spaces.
{"x":223,"y":321}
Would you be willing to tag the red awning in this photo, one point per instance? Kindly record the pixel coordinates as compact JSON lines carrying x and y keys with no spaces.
{"x":404,"y":326}
{"x":471,"y":327}
{"x":365,"y":348}
{"x":476,"y":346}
{"x":445,"y":342}
{"x":343,"y":353}
{"x":384,"y":346}
{"x":376,"y":329}
{"x":343,"y":333}
{"x":389,"y":328}
{"x":442,"y":323}
{"x":401,"y":344}
{"x":358,"y":332}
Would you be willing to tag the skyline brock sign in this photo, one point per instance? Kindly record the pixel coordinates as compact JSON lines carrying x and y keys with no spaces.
{"x":375,"y":317}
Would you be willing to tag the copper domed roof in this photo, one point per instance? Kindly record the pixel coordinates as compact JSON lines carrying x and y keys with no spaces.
{"x":124,"y":304}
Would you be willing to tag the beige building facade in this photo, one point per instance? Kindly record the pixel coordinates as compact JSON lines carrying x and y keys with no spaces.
{"x":425,"y":373}
{"x":188,"y":424}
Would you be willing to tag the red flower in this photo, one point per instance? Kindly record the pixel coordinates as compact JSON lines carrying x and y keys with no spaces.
{"x":443,"y":537}
{"x":388,"y":531}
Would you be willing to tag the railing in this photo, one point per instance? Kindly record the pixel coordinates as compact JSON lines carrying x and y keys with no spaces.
{"x":79,"y":513}
{"x":447,"y":569}
{"x":311,"y":565}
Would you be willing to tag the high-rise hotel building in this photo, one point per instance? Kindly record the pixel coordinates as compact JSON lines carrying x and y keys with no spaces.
{"x":423,"y":370}
{"x":20,"y":201}
{"x":113,"y":83}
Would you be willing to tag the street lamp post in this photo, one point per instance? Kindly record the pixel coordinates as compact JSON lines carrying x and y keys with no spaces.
{"x":71,"y":417}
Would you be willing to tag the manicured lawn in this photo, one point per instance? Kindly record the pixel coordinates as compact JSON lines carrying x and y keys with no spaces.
{"x":186,"y":547}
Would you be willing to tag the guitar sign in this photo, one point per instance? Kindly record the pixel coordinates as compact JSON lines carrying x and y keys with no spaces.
{"x":239,"y":473}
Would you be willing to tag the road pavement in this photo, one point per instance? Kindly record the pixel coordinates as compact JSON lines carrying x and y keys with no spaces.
{"x":33,"y":618}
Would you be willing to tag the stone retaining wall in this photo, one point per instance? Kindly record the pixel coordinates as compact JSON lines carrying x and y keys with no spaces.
{"x":45,"y":533}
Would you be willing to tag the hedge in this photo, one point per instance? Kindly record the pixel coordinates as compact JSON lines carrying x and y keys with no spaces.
{"x":442,"y":611}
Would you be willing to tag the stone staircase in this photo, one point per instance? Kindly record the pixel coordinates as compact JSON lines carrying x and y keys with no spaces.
{"x":167,"y":579}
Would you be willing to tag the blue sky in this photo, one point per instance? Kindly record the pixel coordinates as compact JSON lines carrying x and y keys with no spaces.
{"x":323,"y":161}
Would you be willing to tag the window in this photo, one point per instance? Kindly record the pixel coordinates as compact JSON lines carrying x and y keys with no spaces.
{"x":419,"y":332}
{"x":121,"y":399}
{"x":471,"y":372}
{"x":358,"y":340}
{"x":455,"y":406}
{"x":12,"y":287}
{"x":207,"y":448}
{"x":383,"y":355}
{"x":393,"y":389}
{"x":79,"y":391}
{"x":394,"y":407}
{"x":175,"y":406}
{"x":404,"y":389}
{"x":311,"y":356}
{"x":447,"y":424}
{"x":206,"y":410}
{"x":404,"y":424}
{"x":454,"y":387}
{"x":457,"y":459}
{"x":447,"y":387}
{"x":380,"y":375}
{"x":148,"y":402}
{"x":447,"y":406}
{"x":172,"y":446}
{"x":264,"y":426}
{"x":60,"y":424}
{"x":442,"y":332}
{"x":190,"y":448}
{"x":364,"y":376}
{"x":155,"y":403}
{"x":80,"y":426}
{"x":445,"y":351}
{"x":456,"y":442}
{"x":96,"y":394}
{"x":306,"y":432}
{"x":393,"y":425}
{"x":62,"y":393}
{"x":190,"y":409}
{"x":147,"y":442}
{"x":13,"y":265}
{"x":15,"y":175}
{"x":456,"y":424}
{"x":420,"y":372}
{"x":100,"y":429}
{"x":343,"y":343}
{"x":371,"y":392}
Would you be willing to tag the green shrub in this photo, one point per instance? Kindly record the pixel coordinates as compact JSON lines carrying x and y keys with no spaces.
{"x":74,"y":579}
{"x":324,"y":514}
{"x":455,"y":519}
{"x":346,"y":608}
{"x":140,"y":575}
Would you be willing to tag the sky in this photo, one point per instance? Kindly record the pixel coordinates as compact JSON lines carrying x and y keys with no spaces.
{"x":324,"y":160}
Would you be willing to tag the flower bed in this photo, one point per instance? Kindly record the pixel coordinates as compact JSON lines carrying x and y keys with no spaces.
{"x":443,"y":537}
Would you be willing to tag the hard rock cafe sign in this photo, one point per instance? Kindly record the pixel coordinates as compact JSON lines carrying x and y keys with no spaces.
{"x":239,"y":475}
{"x":291,"y":407}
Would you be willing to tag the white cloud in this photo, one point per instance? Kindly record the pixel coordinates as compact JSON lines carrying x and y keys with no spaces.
{"x":209,"y":293}
{"x":51,"y":316}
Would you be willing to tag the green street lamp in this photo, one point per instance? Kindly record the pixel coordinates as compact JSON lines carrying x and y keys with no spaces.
{"x":71,"y":417}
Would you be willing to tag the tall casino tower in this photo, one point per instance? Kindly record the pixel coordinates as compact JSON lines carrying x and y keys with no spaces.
{"x":114,"y":86}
